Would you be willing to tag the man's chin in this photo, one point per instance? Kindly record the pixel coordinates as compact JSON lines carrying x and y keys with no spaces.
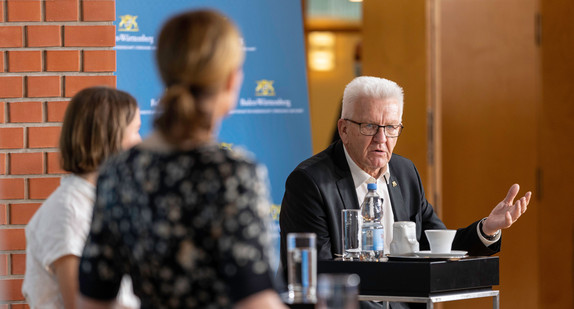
{"x":379,"y":160}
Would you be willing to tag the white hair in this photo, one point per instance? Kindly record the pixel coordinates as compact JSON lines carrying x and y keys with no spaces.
{"x":371,"y":88}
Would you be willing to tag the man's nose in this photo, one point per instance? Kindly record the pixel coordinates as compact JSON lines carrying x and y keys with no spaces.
{"x":380,"y":136}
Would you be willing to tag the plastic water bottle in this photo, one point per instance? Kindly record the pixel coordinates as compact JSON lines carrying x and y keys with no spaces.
{"x":372,"y":230}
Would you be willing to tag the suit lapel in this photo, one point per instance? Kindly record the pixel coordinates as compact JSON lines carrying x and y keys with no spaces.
{"x":345,"y":183}
{"x":397,"y":203}
{"x":349,"y":197}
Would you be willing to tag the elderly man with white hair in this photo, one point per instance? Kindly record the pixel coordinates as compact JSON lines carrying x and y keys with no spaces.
{"x":336,"y":179}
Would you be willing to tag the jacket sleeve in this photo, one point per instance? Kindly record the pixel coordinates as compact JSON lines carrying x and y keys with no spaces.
{"x":302,"y":211}
{"x":423,"y":214}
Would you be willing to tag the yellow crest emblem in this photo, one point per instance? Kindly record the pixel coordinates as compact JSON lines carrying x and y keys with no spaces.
{"x":275,"y":211}
{"x":264,"y":88}
{"x":128,"y":23}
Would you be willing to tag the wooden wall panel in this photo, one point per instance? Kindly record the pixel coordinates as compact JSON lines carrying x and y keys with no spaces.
{"x":394,"y":47}
{"x":556,"y":159}
{"x":490,"y":90}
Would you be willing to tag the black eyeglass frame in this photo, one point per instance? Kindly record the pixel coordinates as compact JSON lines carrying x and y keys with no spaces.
{"x":362,"y":128}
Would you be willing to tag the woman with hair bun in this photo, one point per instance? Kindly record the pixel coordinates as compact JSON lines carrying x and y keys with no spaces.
{"x":185,"y":218}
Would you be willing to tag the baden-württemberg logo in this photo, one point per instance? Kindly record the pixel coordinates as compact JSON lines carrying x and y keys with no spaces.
{"x":266,"y":101}
{"x":264,"y":88}
{"x":128,"y":23}
{"x":131,"y":40}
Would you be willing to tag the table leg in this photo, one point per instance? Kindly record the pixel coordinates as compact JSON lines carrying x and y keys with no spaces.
{"x":430,"y":304}
{"x":495,"y":301}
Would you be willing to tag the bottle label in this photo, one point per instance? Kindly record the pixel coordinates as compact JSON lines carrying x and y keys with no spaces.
{"x":378,"y":240}
{"x":367,"y":237}
{"x":373,"y":240}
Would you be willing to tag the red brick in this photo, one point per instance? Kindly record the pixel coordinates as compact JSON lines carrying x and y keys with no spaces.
{"x":56,"y":110}
{"x":98,"y":10}
{"x":3,"y":216}
{"x":25,"y":112}
{"x":22,"y":213}
{"x":73,"y":84}
{"x":11,"y":138}
{"x":54,"y":165}
{"x":20,"y":306}
{"x":11,"y":86}
{"x":96,"y":36}
{"x":11,"y":189}
{"x":11,"y":36}
{"x":26,"y":163}
{"x":3,"y":264}
{"x":25,"y":61}
{"x":41,"y":188}
{"x":43,"y":137}
{"x":44,"y":36}
{"x":2,"y":112}
{"x":61,"y":10}
{"x":99,"y":61}
{"x":24,"y":10}
{"x":12,"y":289}
{"x":62,"y":60}
{"x":1,"y":14}
{"x":2,"y":164}
{"x":43,"y":86}
{"x":18,"y":264}
{"x":1,"y":61}
{"x":12,"y":239}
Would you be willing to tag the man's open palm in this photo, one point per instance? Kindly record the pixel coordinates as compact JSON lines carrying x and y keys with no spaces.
{"x":506,"y":212}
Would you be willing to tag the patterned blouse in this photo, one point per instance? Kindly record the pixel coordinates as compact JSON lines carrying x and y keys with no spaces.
{"x":190,"y":227}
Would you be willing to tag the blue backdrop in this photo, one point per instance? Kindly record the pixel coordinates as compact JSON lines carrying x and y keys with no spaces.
{"x":271,"y":119}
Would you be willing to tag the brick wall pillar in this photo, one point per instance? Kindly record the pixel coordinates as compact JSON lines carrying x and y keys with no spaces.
{"x":49,"y":50}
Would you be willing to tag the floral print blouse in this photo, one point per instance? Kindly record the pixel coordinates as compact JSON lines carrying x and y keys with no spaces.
{"x":190,"y":227}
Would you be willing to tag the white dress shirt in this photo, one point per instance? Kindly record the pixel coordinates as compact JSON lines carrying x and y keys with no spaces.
{"x":361,"y":179}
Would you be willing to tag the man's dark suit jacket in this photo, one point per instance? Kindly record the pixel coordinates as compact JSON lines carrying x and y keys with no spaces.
{"x":321,"y":186}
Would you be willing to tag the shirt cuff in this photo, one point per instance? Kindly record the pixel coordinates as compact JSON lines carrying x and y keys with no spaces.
{"x":485,"y":241}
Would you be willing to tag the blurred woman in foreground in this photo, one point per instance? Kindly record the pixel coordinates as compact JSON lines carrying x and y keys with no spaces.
{"x":184,"y":217}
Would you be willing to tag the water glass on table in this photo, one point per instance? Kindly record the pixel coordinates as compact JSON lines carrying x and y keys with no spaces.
{"x":351,"y":223}
{"x":338,"y":291}
{"x":302,"y":268}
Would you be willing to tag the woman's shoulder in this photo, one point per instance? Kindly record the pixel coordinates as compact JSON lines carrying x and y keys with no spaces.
{"x":69,"y":205}
{"x":221,"y":153}
{"x":72,"y":190}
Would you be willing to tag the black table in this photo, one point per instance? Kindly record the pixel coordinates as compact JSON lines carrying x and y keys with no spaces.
{"x":422,"y":280}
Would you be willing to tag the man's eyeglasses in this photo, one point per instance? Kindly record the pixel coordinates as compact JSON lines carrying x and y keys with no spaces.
{"x":371,"y":129}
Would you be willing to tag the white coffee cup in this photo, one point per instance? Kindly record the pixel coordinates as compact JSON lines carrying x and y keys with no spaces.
{"x":440,"y":240}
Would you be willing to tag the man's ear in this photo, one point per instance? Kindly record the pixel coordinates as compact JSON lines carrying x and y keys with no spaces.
{"x":342,"y":127}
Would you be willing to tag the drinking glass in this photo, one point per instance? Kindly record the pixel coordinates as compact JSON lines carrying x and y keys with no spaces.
{"x":351,"y":223}
{"x":302,"y":267}
{"x":338,"y":291}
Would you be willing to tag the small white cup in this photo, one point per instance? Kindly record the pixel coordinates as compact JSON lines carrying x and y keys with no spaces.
{"x":440,"y":240}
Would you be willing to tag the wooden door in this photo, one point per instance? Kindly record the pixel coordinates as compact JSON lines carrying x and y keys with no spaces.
{"x":556,"y":156}
{"x":489,"y":87}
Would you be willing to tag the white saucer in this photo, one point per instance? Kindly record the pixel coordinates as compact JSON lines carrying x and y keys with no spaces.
{"x":410,"y":256}
{"x":452,"y":254}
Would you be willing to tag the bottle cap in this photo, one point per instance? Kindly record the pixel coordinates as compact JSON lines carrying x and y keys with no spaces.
{"x":372,"y":186}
